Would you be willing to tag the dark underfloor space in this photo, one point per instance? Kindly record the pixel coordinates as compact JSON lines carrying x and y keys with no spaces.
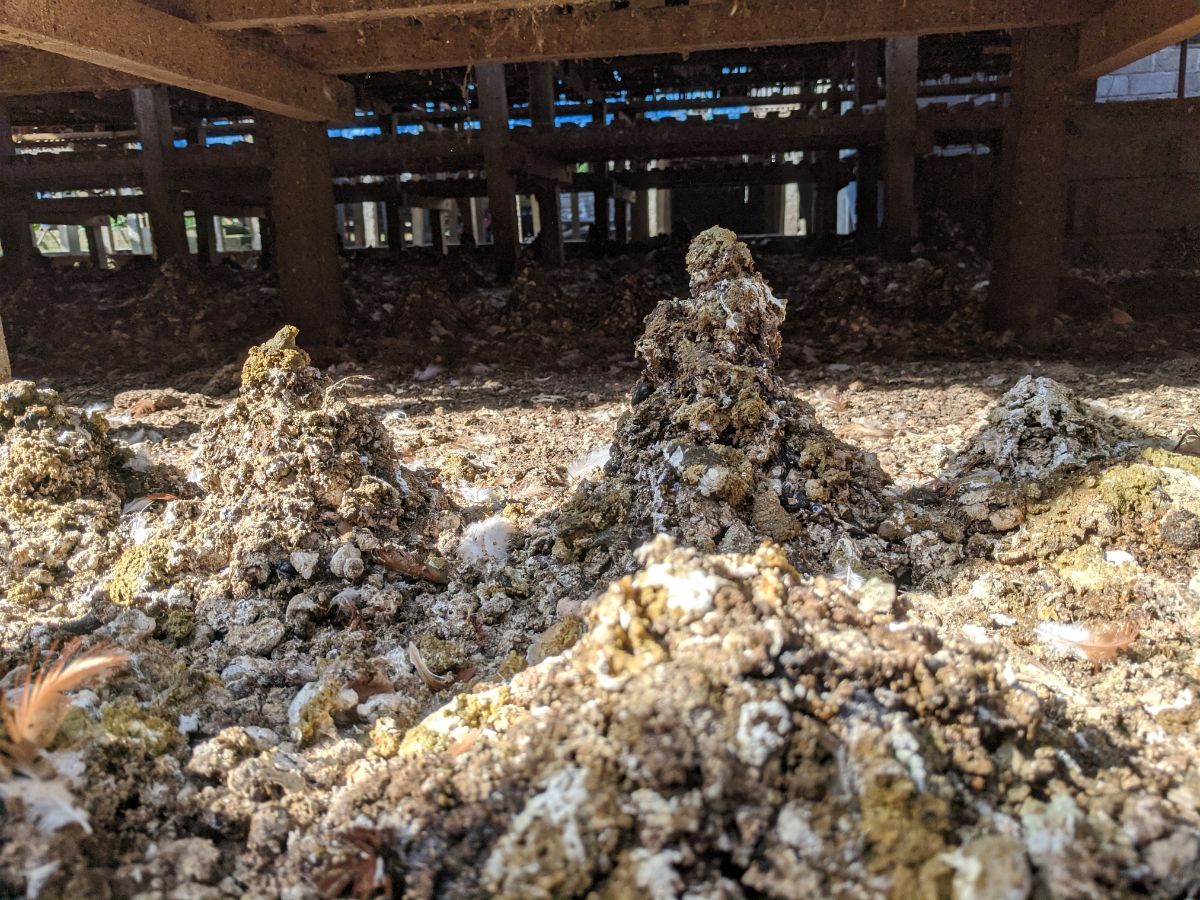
{"x":142,"y":326}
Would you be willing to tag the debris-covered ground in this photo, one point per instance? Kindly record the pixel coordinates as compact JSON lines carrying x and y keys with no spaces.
{"x":764,"y":610}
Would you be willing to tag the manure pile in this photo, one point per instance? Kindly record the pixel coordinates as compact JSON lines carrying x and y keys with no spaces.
{"x":728,"y":656}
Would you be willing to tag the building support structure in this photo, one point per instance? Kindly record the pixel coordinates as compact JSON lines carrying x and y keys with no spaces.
{"x":502,"y":185}
{"x":303,"y":210}
{"x":869,"y":161}
{"x":900,"y":145}
{"x":152,"y":110}
{"x":1031,"y":215}
{"x":548,"y":193}
{"x":16,"y":240}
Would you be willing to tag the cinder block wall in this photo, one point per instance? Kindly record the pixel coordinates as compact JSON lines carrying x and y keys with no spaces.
{"x":1154,"y":77}
{"x":1134,"y":184}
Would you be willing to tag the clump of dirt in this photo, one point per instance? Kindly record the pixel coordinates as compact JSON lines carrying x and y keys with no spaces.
{"x":714,"y":450}
{"x":59,"y":494}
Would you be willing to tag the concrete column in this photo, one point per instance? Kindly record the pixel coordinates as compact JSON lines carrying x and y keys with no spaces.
{"x":662,"y":200}
{"x":548,"y":208}
{"x":899,"y":156}
{"x":1031,"y":214}
{"x":869,"y":161}
{"x":15,"y":237}
{"x":417,"y":217}
{"x":302,"y":207}
{"x":152,"y":110}
{"x":502,"y":185}
{"x":437,"y":219}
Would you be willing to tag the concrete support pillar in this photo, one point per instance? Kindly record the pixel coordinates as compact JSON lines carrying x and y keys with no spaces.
{"x":16,"y":239}
{"x":437,"y":219}
{"x":152,"y":110}
{"x":548,"y":219}
{"x":1031,"y":215}
{"x":97,"y":252}
{"x":417,"y":216}
{"x":302,"y":208}
{"x":74,"y":242}
{"x":870,"y":160}
{"x":900,"y":130}
{"x":662,"y":200}
{"x":502,"y":185}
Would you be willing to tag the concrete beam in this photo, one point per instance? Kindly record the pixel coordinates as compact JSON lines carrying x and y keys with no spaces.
{"x":597,"y":30}
{"x":133,"y":38}
{"x":1132,"y":29}
{"x":302,"y":209}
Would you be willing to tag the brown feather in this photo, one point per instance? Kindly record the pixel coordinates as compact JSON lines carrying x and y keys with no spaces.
{"x":33,"y":718}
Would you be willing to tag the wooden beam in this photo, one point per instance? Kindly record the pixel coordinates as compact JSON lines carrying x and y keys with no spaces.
{"x":152,"y":109}
{"x":869,"y":160}
{"x":241,"y":14}
{"x":130,"y":37}
{"x":502,"y":184}
{"x":15,"y":238}
{"x":1031,"y":214}
{"x":597,"y":30}
{"x":1132,"y":29}
{"x":899,"y":152}
{"x":549,"y":195}
{"x":26,"y":72}
{"x":302,"y":209}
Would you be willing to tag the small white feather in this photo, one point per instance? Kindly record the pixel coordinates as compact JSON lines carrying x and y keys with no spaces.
{"x":1064,"y":637}
{"x":585,"y":465}
{"x":47,"y":802}
{"x":486,"y":541}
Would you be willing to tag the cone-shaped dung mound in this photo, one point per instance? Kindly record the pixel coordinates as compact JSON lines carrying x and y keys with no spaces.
{"x":715,"y":451}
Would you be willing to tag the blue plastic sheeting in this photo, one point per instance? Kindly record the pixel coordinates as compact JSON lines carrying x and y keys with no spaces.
{"x":364,"y":131}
